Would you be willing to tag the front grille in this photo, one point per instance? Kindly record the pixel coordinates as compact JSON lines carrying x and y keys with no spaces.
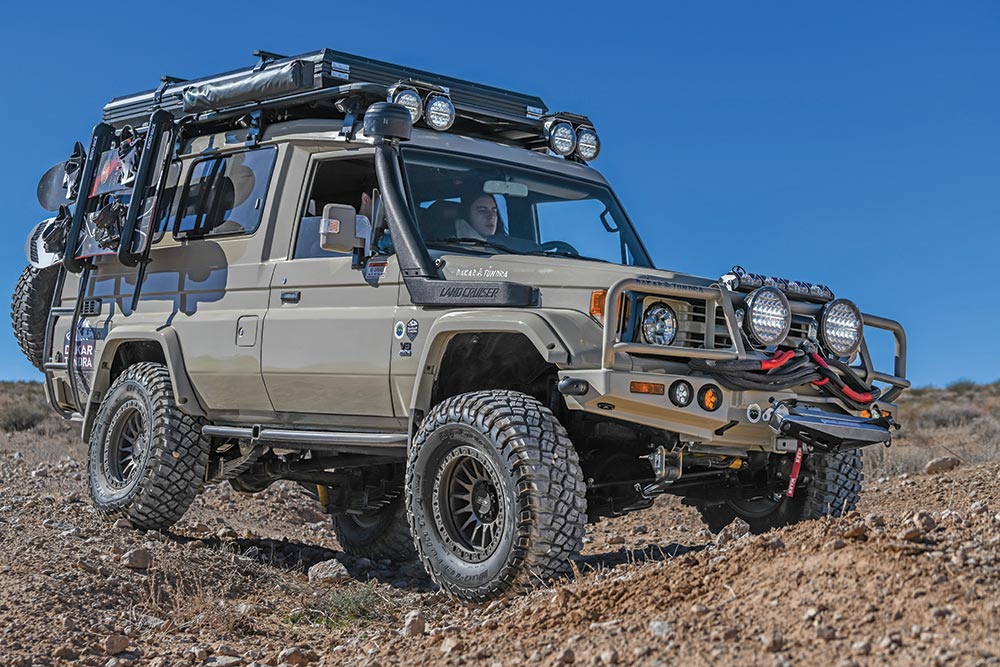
{"x":799,"y":331}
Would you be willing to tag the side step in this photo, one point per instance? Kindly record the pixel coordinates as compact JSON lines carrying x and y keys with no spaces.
{"x":382,"y":444}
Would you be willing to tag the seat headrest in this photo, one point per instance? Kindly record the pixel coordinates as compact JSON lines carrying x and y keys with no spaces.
{"x":437,"y":221}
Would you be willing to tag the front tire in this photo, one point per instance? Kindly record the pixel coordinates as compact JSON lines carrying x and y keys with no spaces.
{"x":495,"y":495}
{"x":147,"y":460}
{"x":834,"y":489}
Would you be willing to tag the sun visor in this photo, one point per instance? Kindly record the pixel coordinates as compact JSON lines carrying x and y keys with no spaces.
{"x":272,"y":82}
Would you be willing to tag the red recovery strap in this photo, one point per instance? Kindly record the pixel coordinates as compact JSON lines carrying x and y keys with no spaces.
{"x":793,"y":479}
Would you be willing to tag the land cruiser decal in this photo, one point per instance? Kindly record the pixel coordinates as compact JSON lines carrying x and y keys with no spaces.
{"x":484,"y":293}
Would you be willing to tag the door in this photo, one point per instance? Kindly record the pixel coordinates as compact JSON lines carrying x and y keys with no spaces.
{"x":328,"y":332}
{"x":328,"y":336}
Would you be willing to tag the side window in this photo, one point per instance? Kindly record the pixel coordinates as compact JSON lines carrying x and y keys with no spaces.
{"x":349,"y":181}
{"x":225,"y":194}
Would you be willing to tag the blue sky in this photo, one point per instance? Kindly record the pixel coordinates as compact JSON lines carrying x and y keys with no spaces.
{"x":854,"y":144}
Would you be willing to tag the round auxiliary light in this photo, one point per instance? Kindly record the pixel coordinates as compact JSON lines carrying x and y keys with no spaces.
{"x":768,"y":317}
{"x":681,"y":393}
{"x":562,"y":138}
{"x":840,"y":327}
{"x":440,"y":112}
{"x":710,"y":398}
{"x":410,"y":99}
{"x":588,"y":145}
{"x":659,"y":324}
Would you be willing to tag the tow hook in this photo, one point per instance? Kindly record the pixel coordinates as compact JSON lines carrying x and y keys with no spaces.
{"x":793,"y":478}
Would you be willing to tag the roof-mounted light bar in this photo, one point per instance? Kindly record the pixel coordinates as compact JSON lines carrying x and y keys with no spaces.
{"x":426,"y":102}
{"x":571,"y":135}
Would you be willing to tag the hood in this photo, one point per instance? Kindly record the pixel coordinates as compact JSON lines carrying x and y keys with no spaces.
{"x":563,"y":282}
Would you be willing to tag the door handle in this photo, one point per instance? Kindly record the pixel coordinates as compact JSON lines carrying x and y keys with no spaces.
{"x":291,"y":297}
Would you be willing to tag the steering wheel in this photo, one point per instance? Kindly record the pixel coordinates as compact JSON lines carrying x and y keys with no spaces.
{"x":559,"y":246}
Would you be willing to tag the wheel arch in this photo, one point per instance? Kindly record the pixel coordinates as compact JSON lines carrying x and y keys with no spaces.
{"x":557,"y":338}
{"x":124,"y":347}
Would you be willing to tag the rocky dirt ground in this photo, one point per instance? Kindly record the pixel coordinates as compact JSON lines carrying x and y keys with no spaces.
{"x":912,"y":577}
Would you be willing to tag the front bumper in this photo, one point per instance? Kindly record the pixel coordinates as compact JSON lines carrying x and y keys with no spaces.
{"x":745,"y":420}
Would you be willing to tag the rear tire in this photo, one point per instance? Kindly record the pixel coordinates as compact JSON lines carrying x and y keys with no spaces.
{"x":495,"y":495}
{"x":29,"y":310}
{"x":833,"y":490}
{"x":377,"y":535}
{"x":147,"y":459}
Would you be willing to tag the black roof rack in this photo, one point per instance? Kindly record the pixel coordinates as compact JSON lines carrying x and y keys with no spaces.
{"x":310,"y":84}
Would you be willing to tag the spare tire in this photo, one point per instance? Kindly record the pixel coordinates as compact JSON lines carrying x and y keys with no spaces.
{"x":29,"y":310}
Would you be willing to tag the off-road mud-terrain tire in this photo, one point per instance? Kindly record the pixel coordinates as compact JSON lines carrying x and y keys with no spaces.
{"x":529,"y":489}
{"x":154,"y":488}
{"x":29,"y":310}
{"x":833,"y":489}
{"x":381,"y":534}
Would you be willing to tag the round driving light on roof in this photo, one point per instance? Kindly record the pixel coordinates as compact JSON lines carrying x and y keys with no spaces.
{"x":840,"y":327}
{"x":768,"y":317}
{"x":681,"y":393}
{"x":659,"y":324}
{"x":587,"y":143}
{"x":440,"y":112}
{"x":562,"y":138}
{"x":410,"y":99}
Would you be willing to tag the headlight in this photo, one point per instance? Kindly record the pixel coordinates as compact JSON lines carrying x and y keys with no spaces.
{"x":768,"y":317}
{"x":562,"y":137}
{"x":587,"y":143}
{"x":440,"y":112}
{"x":659,"y":324}
{"x":410,"y":99}
{"x":840,"y":327}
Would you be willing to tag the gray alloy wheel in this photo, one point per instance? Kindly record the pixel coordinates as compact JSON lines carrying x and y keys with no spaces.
{"x":147,"y":460}
{"x":494,"y":494}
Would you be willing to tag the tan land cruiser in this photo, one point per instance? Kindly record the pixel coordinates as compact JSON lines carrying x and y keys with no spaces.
{"x":415,"y":297}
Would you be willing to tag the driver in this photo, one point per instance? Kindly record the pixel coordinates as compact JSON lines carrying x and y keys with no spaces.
{"x":481,"y":220}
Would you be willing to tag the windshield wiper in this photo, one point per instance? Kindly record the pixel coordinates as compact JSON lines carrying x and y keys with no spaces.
{"x":483,"y":243}
{"x":563,"y":253}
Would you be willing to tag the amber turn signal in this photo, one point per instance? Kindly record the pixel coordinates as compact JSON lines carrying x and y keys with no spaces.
{"x":710,"y":398}
{"x":647,"y":388}
{"x":597,"y":299}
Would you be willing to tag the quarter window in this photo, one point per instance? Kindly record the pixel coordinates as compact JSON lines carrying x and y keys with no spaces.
{"x":225,"y":195}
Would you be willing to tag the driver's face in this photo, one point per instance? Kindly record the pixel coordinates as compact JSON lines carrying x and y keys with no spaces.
{"x":483,"y":215}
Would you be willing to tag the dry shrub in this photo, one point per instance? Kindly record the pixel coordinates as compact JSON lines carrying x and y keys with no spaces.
{"x":961,"y":421}
{"x":201,"y":591}
{"x":343,"y":607}
{"x":945,"y":415}
{"x":21,"y":415}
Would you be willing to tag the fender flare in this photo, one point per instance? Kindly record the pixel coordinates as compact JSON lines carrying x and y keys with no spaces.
{"x":547,"y":330}
{"x":187,"y":399}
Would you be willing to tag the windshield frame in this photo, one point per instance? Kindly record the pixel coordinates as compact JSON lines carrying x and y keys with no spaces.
{"x":645,"y":261}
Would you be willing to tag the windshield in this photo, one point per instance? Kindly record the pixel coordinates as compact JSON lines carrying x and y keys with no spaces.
{"x":470,"y":205}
